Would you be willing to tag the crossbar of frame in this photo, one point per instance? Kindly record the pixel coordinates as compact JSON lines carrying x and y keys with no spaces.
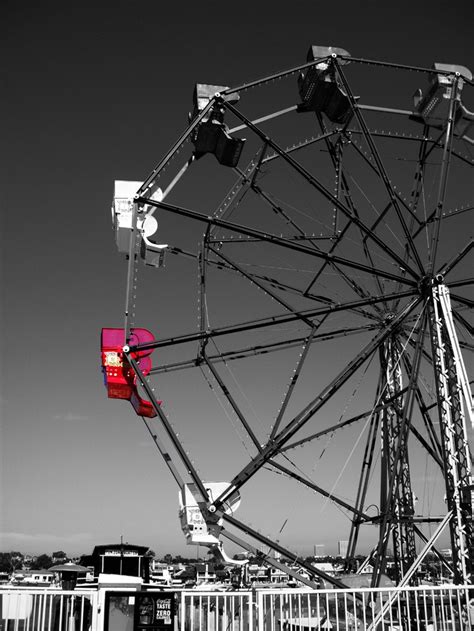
{"x":266,"y":322}
{"x":280,"y":241}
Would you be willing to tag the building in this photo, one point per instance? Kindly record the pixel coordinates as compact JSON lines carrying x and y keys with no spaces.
{"x":121,"y":558}
{"x":342,"y":548}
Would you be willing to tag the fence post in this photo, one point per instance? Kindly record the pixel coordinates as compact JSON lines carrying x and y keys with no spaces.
{"x":258,"y":613}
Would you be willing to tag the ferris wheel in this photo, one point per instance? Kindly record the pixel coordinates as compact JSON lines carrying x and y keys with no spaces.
{"x":316,"y":221}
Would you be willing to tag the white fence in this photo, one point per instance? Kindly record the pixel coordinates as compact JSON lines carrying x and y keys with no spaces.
{"x":409,"y":609}
{"x":443,"y":608}
{"x":46,"y":610}
{"x":217,"y":611}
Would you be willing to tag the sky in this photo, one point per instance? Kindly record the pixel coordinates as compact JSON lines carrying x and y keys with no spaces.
{"x":96,"y":93}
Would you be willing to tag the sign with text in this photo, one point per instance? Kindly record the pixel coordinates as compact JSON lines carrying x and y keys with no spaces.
{"x":140,"y":611}
{"x":155,"y":611}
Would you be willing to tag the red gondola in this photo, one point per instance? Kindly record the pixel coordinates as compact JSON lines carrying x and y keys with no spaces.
{"x":119,"y":377}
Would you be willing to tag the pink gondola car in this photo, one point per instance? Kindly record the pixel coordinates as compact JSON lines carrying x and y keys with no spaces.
{"x":119,"y":377}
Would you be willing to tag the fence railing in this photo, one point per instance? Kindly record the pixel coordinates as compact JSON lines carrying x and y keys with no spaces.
{"x":217,"y":611}
{"x":441,"y":608}
{"x":46,"y":610}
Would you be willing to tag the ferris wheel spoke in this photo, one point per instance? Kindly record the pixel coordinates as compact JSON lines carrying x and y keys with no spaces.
{"x":357,"y":288}
{"x":409,"y":340}
{"x":266,"y":290}
{"x":303,"y":293}
{"x":343,"y":186}
{"x":192,"y":472}
{"x":274,"y":545}
{"x":355,"y":145}
{"x":226,"y":392}
{"x":443,"y":176}
{"x":271,"y":321}
{"x":309,"y":411}
{"x":149,"y":185}
{"x":464,"y":301}
{"x":447,"y":215}
{"x":433,"y":142}
{"x":333,"y":247}
{"x":447,"y":267}
{"x":469,"y":328}
{"x":381,"y":169}
{"x":417,"y":188}
{"x":271,"y":238}
{"x":363,"y":485}
{"x":285,"y":216}
{"x":333,"y":428}
{"x":301,"y":419}
{"x":262,"y":349}
{"x":293,"y":382}
{"x":236,"y":194}
{"x":302,"y":145}
{"x":322,"y":189}
{"x":314,"y":487}
{"x":276,"y":283}
{"x":350,"y":281}
{"x":365,"y":238}
{"x":434,"y":447}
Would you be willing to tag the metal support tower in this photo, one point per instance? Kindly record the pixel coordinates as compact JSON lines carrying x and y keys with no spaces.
{"x":452,"y":395}
{"x":398,"y":502}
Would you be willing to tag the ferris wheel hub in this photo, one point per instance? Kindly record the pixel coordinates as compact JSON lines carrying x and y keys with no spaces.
{"x":429,"y":281}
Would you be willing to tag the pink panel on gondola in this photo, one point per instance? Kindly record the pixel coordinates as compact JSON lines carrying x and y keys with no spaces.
{"x":141,"y":336}
{"x":145,"y":365}
{"x":112,"y":339}
{"x":141,"y":406}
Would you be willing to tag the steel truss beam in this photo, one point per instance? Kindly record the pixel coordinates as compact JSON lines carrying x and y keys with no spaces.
{"x":454,"y":398}
{"x":395,"y":499}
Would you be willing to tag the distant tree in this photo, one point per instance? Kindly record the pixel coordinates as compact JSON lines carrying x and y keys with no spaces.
{"x":16,"y":560}
{"x":5,"y":562}
{"x":43,"y":562}
{"x":85,"y":560}
{"x":168,"y":558}
{"x":150,"y":553}
{"x":60,"y":554}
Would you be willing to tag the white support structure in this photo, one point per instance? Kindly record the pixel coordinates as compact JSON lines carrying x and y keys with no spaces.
{"x":461,"y":371}
{"x":451,"y":385}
